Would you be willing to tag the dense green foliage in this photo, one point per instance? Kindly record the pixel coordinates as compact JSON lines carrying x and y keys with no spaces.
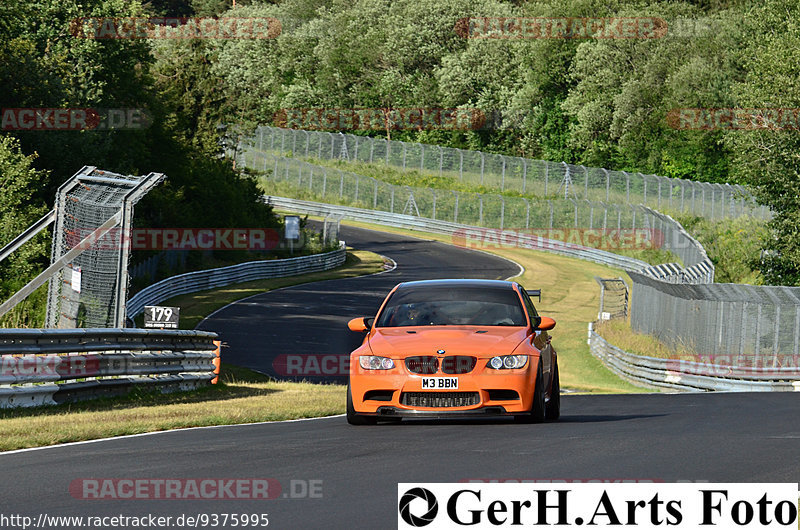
{"x":43,"y":65}
{"x":601,"y":102}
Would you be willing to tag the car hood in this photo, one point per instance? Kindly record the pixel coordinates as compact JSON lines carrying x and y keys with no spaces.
{"x":454,"y":340}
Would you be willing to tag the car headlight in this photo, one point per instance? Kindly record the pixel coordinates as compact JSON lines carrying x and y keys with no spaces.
{"x":508,"y":362}
{"x":374,"y":362}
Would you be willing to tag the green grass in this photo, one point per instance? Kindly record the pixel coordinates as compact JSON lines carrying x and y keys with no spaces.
{"x":619,"y":333}
{"x":242,"y":396}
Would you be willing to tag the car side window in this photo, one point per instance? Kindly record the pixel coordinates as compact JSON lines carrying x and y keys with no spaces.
{"x":529,"y":304}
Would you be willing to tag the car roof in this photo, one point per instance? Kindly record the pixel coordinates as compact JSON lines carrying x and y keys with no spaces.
{"x":455,"y":283}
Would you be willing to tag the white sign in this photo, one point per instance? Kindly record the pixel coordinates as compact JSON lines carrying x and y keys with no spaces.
{"x":161,"y":317}
{"x":75,"y":281}
{"x":292,"y":226}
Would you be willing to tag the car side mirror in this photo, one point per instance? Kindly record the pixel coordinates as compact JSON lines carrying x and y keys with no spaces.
{"x":360,"y":324}
{"x":546,"y":323}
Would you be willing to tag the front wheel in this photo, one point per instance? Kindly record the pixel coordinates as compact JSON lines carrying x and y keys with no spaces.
{"x":537,"y":412}
{"x":554,"y":404}
{"x":352,"y":417}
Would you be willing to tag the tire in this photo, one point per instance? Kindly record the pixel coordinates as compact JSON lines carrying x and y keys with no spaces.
{"x":553,"y":410}
{"x":537,"y":412}
{"x":352,"y":417}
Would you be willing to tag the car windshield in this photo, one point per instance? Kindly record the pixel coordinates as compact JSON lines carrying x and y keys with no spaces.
{"x":453,"y":306}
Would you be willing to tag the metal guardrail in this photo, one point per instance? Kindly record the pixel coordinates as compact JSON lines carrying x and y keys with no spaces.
{"x":192,"y":282}
{"x":678,"y":374}
{"x":51,"y":366}
{"x":445,"y":227}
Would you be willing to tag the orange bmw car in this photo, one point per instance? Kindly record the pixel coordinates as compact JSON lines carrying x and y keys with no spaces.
{"x":453,"y":348}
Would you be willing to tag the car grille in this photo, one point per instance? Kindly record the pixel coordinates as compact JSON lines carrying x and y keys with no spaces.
{"x":458,"y":364}
{"x":439,"y":399}
{"x":422,"y":365}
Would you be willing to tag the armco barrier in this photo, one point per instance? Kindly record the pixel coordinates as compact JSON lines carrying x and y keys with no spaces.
{"x":192,"y":282}
{"x":50,"y":366}
{"x":444,"y":227}
{"x":687,"y":375}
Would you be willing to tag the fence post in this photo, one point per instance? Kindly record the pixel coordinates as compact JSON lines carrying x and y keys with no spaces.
{"x":575,"y":204}
{"x":341,"y":184}
{"x":527,"y":212}
{"x":356,"y":198}
{"x":713,"y":195}
{"x":483,"y":163}
{"x":503,"y":176}
{"x":644,"y":188}
{"x":757,"y":350}
{"x":404,"y":154}
{"x":391,"y":207}
{"x":480,"y":210}
{"x":608,"y":184}
{"x":586,"y":182}
{"x":796,"y":330}
{"x":421,"y":157}
{"x":441,"y":160}
{"x":502,"y":210}
{"x":460,"y":164}
{"x":777,"y":330}
{"x":455,"y":211}
{"x":324,"y":181}
{"x":546,"y":176}
{"x":355,"y":150}
{"x":627,"y":187}
{"x":524,"y":174}
{"x":551,"y":213}
{"x":375,"y":195}
{"x":703,"y":210}
{"x":658,"y":200}
{"x":371,"y":149}
{"x":433,"y":191}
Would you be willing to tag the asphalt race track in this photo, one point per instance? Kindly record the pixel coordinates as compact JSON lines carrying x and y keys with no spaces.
{"x":353,"y":471}
{"x":312,"y":318}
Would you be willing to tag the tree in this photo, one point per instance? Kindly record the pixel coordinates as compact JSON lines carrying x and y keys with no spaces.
{"x":768,"y":158}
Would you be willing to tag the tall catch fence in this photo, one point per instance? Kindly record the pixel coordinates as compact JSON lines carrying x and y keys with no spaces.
{"x":678,"y":303}
{"x":523,"y":175}
{"x":613,"y":227}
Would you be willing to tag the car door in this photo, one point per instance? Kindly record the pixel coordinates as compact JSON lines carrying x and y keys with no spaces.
{"x":542,"y":338}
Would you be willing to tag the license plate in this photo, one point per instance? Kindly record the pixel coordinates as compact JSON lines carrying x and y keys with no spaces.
{"x":439,"y":383}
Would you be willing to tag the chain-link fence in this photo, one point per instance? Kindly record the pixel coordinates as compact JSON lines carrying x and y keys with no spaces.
{"x":757,"y":324}
{"x":94,"y":211}
{"x":613,"y":298}
{"x":526,"y":176}
{"x":616,"y":227}
{"x":753,"y":326}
